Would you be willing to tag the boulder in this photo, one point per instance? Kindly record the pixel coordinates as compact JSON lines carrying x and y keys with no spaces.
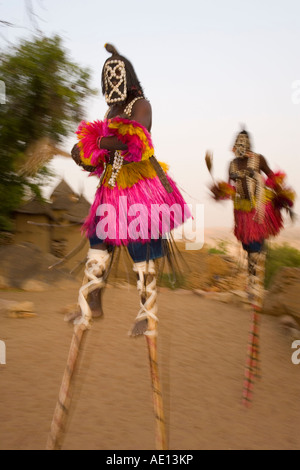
{"x":283,"y":297}
{"x":26,"y":267}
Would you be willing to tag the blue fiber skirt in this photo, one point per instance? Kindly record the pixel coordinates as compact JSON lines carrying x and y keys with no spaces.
{"x":137,"y":250}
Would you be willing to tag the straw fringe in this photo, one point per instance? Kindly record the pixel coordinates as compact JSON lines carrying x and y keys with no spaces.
{"x":38,"y":154}
{"x":131,"y":174}
{"x":154,"y":200}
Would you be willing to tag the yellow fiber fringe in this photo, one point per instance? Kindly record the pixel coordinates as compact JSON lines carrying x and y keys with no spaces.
{"x":288,"y":194}
{"x":131,"y":173}
{"x":246,"y":206}
{"x":85,"y":160}
{"x":132,"y":130}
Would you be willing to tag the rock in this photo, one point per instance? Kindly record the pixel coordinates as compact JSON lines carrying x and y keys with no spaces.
{"x":24,"y":263}
{"x":226,"y":297}
{"x":22,"y":315}
{"x":240,"y":296}
{"x":70,"y":308}
{"x":11,"y":305}
{"x":17,"y":309}
{"x":283,"y":297}
{"x":290,"y":326}
{"x":215,"y":289}
{"x":34,"y":286}
{"x":287,"y":321}
{"x":4,"y":283}
{"x":201,"y":293}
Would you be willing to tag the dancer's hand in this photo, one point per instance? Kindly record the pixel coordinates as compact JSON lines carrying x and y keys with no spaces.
{"x":75,"y":152}
{"x":216,"y":191}
{"x":209,"y":160}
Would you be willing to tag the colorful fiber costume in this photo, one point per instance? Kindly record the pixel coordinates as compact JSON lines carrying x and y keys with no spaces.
{"x":258,"y":203}
{"x":137,"y":204}
{"x":136,"y":207}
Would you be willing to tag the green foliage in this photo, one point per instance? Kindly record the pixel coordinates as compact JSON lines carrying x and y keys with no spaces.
{"x":278,"y":257}
{"x":45,"y":93}
{"x":220,"y":249}
{"x":172,"y":282}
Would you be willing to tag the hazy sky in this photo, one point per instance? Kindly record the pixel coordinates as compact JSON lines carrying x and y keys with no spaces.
{"x":206,"y":67}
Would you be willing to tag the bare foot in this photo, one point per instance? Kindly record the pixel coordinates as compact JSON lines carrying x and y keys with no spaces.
{"x":95,"y":304}
{"x":70,"y":317}
{"x":139,"y":328}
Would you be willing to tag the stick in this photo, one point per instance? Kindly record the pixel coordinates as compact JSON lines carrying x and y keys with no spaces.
{"x":256,"y":274}
{"x":209,"y":164}
{"x":160,"y":428}
{"x":252,"y":369}
{"x":62,"y":407}
{"x":72,"y":253}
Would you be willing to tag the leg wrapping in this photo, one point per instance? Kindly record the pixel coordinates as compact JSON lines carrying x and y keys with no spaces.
{"x":146,"y":285}
{"x":256,"y":277}
{"x":96,"y":265}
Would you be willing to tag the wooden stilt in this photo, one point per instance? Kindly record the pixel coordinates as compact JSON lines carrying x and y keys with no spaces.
{"x":160,"y":426}
{"x":252,"y":369}
{"x":62,"y":407}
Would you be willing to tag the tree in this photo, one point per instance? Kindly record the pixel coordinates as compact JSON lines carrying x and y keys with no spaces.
{"x":45,"y":94}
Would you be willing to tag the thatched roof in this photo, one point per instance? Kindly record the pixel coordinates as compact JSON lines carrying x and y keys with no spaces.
{"x":63,"y":197}
{"x":78,"y":211}
{"x":75,"y":207}
{"x":62,"y":189}
{"x":36,"y":207}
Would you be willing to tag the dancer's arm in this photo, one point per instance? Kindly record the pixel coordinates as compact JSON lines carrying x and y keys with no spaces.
{"x":141,"y":113}
{"x":265,"y":167}
{"x":111,"y":144}
{"x":232,"y":176}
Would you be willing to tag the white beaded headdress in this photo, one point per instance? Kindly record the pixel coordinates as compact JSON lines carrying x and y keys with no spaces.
{"x":114,"y":77}
{"x":115,"y":81}
{"x":242,"y":144}
{"x":119,"y":80}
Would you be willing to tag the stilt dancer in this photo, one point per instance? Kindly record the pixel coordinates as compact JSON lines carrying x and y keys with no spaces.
{"x":258,"y":203}
{"x":120,"y":152}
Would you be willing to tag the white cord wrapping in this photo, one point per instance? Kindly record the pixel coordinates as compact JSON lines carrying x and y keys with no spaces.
{"x":260,"y":202}
{"x":149,"y":308}
{"x":95,"y":267}
{"x":256,"y":277}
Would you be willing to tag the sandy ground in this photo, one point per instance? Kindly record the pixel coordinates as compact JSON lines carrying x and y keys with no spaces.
{"x":202,"y":346}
